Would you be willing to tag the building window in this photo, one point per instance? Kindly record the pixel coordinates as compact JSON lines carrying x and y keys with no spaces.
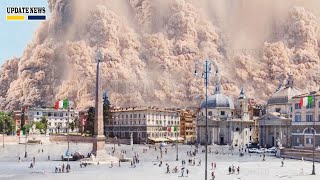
{"x":237,"y":129}
{"x":126,"y":115}
{"x":222,"y":113}
{"x":37,"y":113}
{"x":297,"y":106}
{"x":135,"y":116}
{"x":319,"y":104}
{"x":61,"y":114}
{"x":250,"y":129}
{"x":309,"y":141}
{"x":139,"y":115}
{"x":309,"y":117}
{"x":130,"y":115}
{"x":210,"y":113}
{"x":122,"y":116}
{"x":297,"y":118}
{"x":309,"y":106}
{"x":278,"y":109}
{"x":144,"y":115}
{"x":319,"y":118}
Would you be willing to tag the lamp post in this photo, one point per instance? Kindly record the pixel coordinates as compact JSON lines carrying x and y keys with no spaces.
{"x":205,"y":74}
{"x":26,"y":142}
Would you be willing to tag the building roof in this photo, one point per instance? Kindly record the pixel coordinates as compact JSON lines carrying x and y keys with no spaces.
{"x":315,"y":93}
{"x":218,"y":101}
{"x":284,"y":93}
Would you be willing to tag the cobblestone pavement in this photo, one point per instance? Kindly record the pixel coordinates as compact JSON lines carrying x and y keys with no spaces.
{"x":251,"y":167}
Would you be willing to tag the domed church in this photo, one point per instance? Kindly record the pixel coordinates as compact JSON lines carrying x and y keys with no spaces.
{"x":227,"y":123}
{"x":275,"y":125}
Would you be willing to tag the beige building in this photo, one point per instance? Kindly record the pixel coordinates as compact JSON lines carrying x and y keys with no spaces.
{"x":303,"y":120}
{"x":227,"y":123}
{"x":188,"y":126}
{"x":275,"y":125}
{"x":145,"y":124}
{"x":57,"y":118}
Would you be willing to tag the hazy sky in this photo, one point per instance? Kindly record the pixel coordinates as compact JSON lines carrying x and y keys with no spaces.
{"x":15,"y":35}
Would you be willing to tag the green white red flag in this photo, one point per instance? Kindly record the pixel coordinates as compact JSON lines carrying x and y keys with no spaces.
{"x":304,"y":101}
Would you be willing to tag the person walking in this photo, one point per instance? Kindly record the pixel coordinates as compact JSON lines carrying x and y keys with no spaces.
{"x":229,"y":170}
{"x":187,"y":171}
{"x":182,"y":171}
{"x":238,"y":169}
{"x":212,"y":175}
{"x":119,"y":162}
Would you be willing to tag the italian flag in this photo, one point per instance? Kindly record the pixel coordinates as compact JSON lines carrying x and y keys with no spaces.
{"x":172,"y":129}
{"x":304,"y":101}
{"x":62,"y":104}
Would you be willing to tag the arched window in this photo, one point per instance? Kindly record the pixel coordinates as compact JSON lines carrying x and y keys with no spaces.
{"x":237,"y":129}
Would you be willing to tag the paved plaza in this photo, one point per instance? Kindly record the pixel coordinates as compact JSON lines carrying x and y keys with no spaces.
{"x":251,"y":167}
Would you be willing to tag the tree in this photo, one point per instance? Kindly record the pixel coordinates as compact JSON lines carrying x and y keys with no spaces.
{"x":44,"y":121}
{"x":41,"y":127}
{"x":7,"y":123}
{"x":90,"y":120}
{"x":106,"y":111}
{"x":72,"y":126}
{"x":76,"y":122}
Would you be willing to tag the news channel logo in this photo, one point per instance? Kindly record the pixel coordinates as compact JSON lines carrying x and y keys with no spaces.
{"x":25,"y":13}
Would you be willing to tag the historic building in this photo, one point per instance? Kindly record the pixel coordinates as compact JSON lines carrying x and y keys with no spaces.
{"x":145,"y":124}
{"x":304,"y":120}
{"x":275,"y":124}
{"x":17,"y":117}
{"x":188,"y":126}
{"x":227,"y":123}
{"x":58,"y":119}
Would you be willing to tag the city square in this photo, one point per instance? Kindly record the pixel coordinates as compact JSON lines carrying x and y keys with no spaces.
{"x":251,"y":167}
{"x":160,"y":89}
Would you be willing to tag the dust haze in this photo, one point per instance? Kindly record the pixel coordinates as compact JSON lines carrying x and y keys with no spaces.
{"x":150,"y":48}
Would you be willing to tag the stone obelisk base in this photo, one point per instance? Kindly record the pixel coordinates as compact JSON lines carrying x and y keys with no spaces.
{"x":99,"y":154}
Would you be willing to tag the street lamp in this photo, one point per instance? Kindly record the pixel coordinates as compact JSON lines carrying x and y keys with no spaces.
{"x":205,"y":74}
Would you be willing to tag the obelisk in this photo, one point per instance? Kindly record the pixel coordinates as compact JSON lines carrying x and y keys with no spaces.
{"x":99,"y":139}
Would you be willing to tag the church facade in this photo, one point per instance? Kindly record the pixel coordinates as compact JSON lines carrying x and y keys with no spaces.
{"x":227,"y":123}
{"x":275,"y":125}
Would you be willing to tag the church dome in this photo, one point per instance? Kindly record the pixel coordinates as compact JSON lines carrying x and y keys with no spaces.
{"x":285,"y":93}
{"x":218,"y":101}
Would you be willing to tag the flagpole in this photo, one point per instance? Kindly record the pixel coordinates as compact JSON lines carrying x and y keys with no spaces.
{"x":68,"y":130}
{"x":314,"y":134}
{"x":177,"y":159}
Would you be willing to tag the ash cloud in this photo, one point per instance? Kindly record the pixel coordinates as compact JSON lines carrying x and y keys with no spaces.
{"x":150,"y":47}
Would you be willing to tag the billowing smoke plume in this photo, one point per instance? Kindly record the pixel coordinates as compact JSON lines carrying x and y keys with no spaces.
{"x":150,"y":49}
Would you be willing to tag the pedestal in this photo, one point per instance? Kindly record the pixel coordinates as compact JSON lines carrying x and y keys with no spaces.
{"x":100,"y":155}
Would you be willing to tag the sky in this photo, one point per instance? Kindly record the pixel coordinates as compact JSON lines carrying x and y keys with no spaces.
{"x":15,"y":35}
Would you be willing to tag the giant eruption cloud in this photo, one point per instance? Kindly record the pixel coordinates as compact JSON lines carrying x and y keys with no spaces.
{"x":150,"y":49}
